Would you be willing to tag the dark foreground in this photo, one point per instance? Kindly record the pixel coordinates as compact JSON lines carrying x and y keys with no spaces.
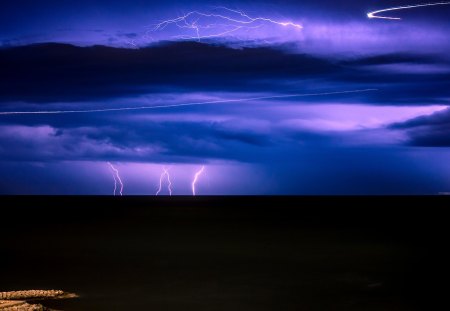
{"x":215,"y":253}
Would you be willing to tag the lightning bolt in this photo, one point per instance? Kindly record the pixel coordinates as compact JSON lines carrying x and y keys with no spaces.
{"x":117,"y":179}
{"x":228,"y":22}
{"x":374,"y":13}
{"x":196,"y":176}
{"x":165,"y":173}
{"x":221,"y":101}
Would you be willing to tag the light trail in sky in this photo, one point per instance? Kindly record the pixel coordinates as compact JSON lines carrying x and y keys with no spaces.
{"x":117,"y":179}
{"x":221,"y":101}
{"x":165,"y":173}
{"x":374,"y":14}
{"x":196,"y":176}
{"x":224,"y":21}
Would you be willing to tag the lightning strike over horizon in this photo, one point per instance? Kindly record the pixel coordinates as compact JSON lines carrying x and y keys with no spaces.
{"x":226,"y":22}
{"x":196,"y":176}
{"x":220,"y":101}
{"x":374,"y":13}
{"x":117,"y":178}
{"x":169,"y":185}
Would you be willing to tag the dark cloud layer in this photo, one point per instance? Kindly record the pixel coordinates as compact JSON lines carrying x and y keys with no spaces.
{"x":56,"y":72}
{"x":428,"y":131}
{"x":131,"y":140}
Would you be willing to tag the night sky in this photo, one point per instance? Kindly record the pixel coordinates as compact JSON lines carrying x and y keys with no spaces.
{"x":268,"y":97}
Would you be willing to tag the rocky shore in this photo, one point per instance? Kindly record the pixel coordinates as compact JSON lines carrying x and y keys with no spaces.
{"x":20,"y":300}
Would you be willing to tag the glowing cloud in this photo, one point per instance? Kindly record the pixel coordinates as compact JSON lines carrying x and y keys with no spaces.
{"x":374,"y":14}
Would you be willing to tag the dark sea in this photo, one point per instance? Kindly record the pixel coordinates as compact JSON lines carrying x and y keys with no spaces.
{"x":227,"y":253}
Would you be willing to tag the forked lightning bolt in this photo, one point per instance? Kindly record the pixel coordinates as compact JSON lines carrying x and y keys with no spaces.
{"x":374,"y":14}
{"x":117,"y":179}
{"x":220,"y":101}
{"x":196,"y":176}
{"x":165,"y":173}
{"x":226,"y":21}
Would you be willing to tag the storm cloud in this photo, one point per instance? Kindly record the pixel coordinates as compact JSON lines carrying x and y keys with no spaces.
{"x":64,"y":73}
{"x":428,"y":131}
{"x":98,"y":58}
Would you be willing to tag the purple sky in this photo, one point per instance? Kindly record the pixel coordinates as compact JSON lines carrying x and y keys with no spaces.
{"x":393,"y":137}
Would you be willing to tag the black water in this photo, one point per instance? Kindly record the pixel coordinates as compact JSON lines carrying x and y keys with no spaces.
{"x":254,"y":253}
